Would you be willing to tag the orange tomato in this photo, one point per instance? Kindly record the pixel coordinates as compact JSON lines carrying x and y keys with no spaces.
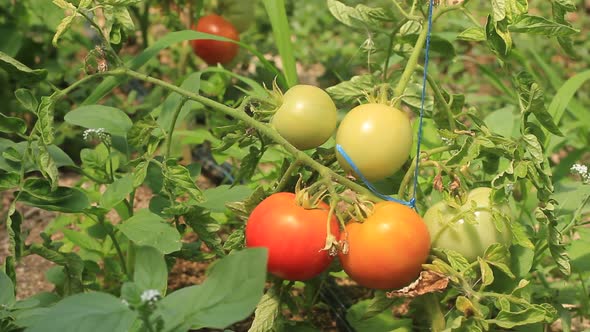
{"x":388,"y":249}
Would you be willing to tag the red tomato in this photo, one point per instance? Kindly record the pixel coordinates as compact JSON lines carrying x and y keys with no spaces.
{"x":388,"y":249}
{"x":293,"y":235}
{"x":216,"y":51}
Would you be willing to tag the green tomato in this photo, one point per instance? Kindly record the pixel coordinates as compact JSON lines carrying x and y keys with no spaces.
{"x":307,"y":117}
{"x":469,"y":229}
{"x":378,"y":139}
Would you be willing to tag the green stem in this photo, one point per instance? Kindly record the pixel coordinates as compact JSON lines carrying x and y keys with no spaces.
{"x":263,"y":128}
{"x":410,"y":172}
{"x":412,"y":63}
{"x":286,"y":176}
{"x":438,"y":95}
{"x":390,"y":47}
{"x":404,"y":13}
{"x":130,"y":259}
{"x":413,"y":59}
{"x":101,"y":222}
{"x":172,"y":126}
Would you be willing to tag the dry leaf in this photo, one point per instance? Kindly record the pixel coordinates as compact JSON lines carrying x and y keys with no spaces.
{"x":427,"y":282}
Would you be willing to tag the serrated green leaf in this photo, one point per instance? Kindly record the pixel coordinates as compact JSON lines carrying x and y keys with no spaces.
{"x":235,"y":241}
{"x":499,"y":9}
{"x":487,"y":276}
{"x":476,"y":34}
{"x":499,"y":256}
{"x":63,"y":26}
{"x":348,"y":92}
{"x":9,"y":180}
{"x":47,"y":165}
{"x":358,"y":16}
{"x":530,"y":315}
{"x":63,"y":4}
{"x":178,"y":180}
{"x":45,"y":119}
{"x":206,"y":228}
{"x":266,"y":313}
{"x":72,"y":264}
{"x":534,"y":148}
{"x":542,"y":26}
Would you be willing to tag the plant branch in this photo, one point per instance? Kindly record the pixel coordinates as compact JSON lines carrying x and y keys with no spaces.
{"x":172,"y":126}
{"x":263,"y":128}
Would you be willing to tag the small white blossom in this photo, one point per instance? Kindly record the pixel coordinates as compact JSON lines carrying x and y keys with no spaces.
{"x":447,"y":141}
{"x":509,"y":188}
{"x":150,"y":295}
{"x":582,"y":170}
{"x":125,"y":302}
{"x":98,"y":134}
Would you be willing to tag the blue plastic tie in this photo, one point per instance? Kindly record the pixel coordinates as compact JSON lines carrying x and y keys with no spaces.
{"x":412,"y":202}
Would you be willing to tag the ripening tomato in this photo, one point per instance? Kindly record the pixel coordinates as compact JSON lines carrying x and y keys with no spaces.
{"x":216,"y":51}
{"x":378,"y":139}
{"x":387,"y":250}
{"x":293,"y":235}
{"x":306,"y":118}
{"x":470,"y":229}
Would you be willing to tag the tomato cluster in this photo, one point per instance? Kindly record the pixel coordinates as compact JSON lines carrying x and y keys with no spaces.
{"x":388,"y":248}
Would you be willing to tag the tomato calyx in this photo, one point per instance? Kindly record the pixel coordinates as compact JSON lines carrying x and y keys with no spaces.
{"x":306,"y":198}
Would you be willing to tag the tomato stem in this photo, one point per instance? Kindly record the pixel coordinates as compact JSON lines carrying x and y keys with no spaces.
{"x":263,"y":128}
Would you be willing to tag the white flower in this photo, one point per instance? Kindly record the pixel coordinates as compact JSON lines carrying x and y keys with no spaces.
{"x":98,"y":133}
{"x":582,"y":170}
{"x":150,"y":295}
{"x":125,"y":302}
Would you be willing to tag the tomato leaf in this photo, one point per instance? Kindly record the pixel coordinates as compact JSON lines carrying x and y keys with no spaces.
{"x":353,"y":90}
{"x":487,"y":275}
{"x":266,"y":313}
{"x":541,"y":25}
{"x":206,"y":228}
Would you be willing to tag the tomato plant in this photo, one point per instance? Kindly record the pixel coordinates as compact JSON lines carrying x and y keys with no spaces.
{"x":387,"y":249}
{"x":131,"y":169}
{"x":470,"y":228}
{"x":216,"y":51}
{"x":306,"y":117}
{"x":377,"y":138}
{"x":293,"y":235}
